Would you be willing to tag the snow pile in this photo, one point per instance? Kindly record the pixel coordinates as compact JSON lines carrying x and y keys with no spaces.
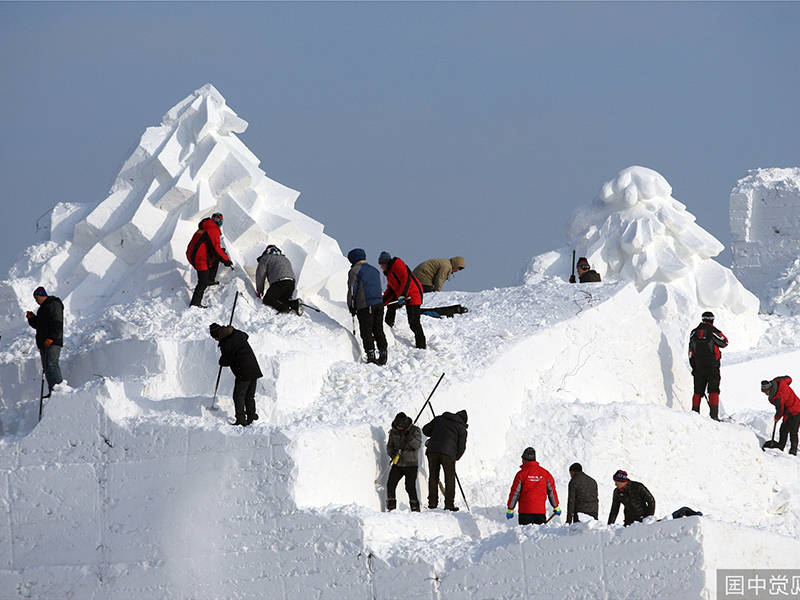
{"x":765,"y":236}
{"x":130,"y":487}
{"x":133,"y":243}
{"x":635,"y":231}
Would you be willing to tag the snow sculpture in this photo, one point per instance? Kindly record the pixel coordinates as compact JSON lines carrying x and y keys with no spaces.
{"x":765,"y":236}
{"x":634,"y":230}
{"x":132,"y":243}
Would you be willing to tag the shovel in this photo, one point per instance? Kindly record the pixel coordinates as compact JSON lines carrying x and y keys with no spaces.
{"x":771,"y":443}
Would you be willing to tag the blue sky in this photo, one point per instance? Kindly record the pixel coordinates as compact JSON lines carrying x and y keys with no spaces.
{"x":424,"y":129}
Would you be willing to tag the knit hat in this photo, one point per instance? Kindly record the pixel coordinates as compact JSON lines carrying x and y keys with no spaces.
{"x":40,"y":291}
{"x":273,"y":249}
{"x":217,"y":218}
{"x":708,"y":317}
{"x":402,"y":420}
{"x":384,"y":258}
{"x":214,"y":329}
{"x":582,"y":261}
{"x":356,"y":255}
{"x":621,"y":476}
{"x":575,"y":468}
{"x":463,"y":415}
{"x":529,"y":454}
{"x":767,"y":385}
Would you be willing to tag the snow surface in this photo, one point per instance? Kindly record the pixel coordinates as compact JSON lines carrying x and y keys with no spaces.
{"x":131,"y":488}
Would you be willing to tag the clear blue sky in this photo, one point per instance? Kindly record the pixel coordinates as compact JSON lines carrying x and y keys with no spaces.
{"x":423,"y":129}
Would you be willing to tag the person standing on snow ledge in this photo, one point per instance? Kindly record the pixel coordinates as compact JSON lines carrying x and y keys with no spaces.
{"x":787,"y":407}
{"x":533,"y":484}
{"x":637,"y":499}
{"x":402,"y":289}
{"x":237,"y":354}
{"x":275,"y":269}
{"x":49,"y":325}
{"x":447,"y":441}
{"x":705,"y":343}
{"x":365,"y":301}
{"x":581,"y":495}
{"x":403,"y":449}
{"x":205,"y":253}
{"x":585,"y":272}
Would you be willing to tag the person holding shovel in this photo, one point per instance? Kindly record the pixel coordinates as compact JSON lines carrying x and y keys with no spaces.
{"x":237,"y":354}
{"x":532,"y":486}
{"x":403,"y":448}
{"x":787,"y":407}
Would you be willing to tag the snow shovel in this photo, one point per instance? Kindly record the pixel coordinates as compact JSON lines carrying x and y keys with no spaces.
{"x":219,"y":373}
{"x":771,"y":443}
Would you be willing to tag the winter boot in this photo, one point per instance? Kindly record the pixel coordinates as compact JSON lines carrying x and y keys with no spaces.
{"x":714,"y":412}
{"x":252,"y":418}
{"x":241,"y":420}
{"x":391,"y":503}
{"x":297,"y":307}
{"x":451,"y":508}
{"x":414,"y":504}
{"x":371,"y":357}
{"x":384,"y":355}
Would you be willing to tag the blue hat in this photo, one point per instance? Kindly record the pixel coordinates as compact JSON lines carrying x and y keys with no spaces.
{"x":384,"y":258}
{"x":621,"y":476}
{"x":40,"y":291}
{"x":355,"y":255}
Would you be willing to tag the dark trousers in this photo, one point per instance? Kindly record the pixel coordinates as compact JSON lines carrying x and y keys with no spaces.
{"x":51,"y":369}
{"x":395,"y":475}
{"x":370,"y":326}
{"x":413,"y":313}
{"x":437,"y":460}
{"x":244,"y":399}
{"x":279,"y":295}
{"x":203,"y":279}
{"x":532,"y":519}
{"x":789,"y":430}
{"x":705,"y":379}
{"x":427,"y":289}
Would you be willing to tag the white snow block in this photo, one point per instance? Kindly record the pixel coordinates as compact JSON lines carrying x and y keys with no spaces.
{"x":323,"y":478}
{"x":133,"y":240}
{"x":63,"y":218}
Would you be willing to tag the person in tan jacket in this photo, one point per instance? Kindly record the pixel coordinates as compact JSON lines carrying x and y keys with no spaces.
{"x":434,"y":272}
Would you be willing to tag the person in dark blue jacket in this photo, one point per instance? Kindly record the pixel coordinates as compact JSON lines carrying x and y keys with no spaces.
{"x":49,"y":325}
{"x":365,"y":300}
{"x":447,"y":441}
{"x":237,"y":354}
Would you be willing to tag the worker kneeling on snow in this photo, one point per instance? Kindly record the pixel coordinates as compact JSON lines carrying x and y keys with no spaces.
{"x":532,"y":485}
{"x":787,"y":407}
{"x":239,"y":356}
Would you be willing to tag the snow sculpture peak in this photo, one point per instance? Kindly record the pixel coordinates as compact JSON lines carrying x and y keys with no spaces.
{"x":133,"y":242}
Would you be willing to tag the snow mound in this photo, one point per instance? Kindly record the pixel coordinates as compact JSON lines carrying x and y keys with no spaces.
{"x":132,"y":244}
{"x":635,"y":231}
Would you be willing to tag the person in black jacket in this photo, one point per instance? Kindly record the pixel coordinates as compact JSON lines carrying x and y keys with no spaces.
{"x":447,"y":441}
{"x":403,"y":449}
{"x":49,"y":325}
{"x":582,"y":496}
{"x":637,"y":499}
{"x":239,"y":356}
{"x":705,"y":343}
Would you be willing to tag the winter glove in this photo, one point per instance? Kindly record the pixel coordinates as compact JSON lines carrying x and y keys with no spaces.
{"x":509,"y":513}
{"x":48,"y":343}
{"x":572,"y":278}
{"x":228,"y":263}
{"x":557,"y":511}
{"x":401,"y":300}
{"x":29,"y":315}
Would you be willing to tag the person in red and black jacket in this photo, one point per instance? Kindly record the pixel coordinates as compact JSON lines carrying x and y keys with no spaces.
{"x":404,"y":287}
{"x":705,"y":343}
{"x":533,"y":485}
{"x":205,"y":253}
{"x":787,"y":407}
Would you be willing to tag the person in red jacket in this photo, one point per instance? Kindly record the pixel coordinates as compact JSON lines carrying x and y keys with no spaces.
{"x":205,"y":253}
{"x":404,"y":287}
{"x":787,"y":407}
{"x":532,"y":486}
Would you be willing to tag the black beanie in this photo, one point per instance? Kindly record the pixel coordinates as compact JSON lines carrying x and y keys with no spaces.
{"x":402,"y":420}
{"x":529,"y":454}
{"x":214,"y":329}
{"x":575,"y":468}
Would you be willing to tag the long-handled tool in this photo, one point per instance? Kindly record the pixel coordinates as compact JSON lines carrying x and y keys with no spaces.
{"x":771,"y":443}
{"x":314,"y":308}
{"x":219,"y":373}
{"x":41,"y":392}
{"x":379,"y":481}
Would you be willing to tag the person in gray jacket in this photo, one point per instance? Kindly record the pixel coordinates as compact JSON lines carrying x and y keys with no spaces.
{"x":582,"y":496}
{"x":403,"y":449}
{"x":276,"y":269}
